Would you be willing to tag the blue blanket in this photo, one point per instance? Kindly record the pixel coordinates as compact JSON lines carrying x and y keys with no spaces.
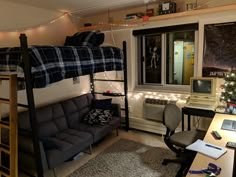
{"x":54,"y":63}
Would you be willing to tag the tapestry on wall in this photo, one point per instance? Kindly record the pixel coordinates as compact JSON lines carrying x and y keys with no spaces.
{"x":219,"y":49}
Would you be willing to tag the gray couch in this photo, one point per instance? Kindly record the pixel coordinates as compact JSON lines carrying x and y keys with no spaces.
{"x":62,"y":131}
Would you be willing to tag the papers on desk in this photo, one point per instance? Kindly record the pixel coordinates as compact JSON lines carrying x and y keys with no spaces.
{"x":208,"y":149}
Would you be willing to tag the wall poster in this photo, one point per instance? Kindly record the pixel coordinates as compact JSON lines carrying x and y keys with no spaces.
{"x":219,"y":54}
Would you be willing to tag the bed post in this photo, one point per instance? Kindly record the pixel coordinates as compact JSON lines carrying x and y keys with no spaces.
{"x":31,"y":104}
{"x":126,"y":86}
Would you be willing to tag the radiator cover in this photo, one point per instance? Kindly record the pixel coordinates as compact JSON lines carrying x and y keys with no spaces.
{"x":153,"y":109}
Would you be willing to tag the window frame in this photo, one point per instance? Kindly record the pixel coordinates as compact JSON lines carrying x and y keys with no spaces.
{"x":163,"y":86}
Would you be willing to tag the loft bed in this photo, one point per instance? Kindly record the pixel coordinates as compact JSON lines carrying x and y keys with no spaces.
{"x":44,"y":65}
{"x":50,"y":64}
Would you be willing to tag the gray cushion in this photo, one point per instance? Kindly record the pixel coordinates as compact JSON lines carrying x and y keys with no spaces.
{"x":98,"y":131}
{"x":185,"y":138}
{"x":51,"y":119}
{"x":115,"y":122}
{"x":67,"y":143}
{"x":103,"y":104}
{"x":76,"y":108}
{"x":172,"y":116}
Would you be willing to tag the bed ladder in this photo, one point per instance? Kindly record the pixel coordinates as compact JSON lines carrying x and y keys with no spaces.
{"x":9,"y":152}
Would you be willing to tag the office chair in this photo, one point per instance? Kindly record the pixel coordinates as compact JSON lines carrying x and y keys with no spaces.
{"x":177,"y":142}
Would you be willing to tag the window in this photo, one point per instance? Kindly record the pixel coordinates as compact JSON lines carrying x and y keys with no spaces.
{"x":179,"y":57}
{"x":166,"y":55}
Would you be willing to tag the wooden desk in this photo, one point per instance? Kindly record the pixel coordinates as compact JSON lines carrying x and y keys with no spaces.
{"x":227,"y":160}
{"x":195,"y":112}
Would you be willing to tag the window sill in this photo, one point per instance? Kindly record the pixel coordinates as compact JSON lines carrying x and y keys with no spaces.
{"x":179,"y":89}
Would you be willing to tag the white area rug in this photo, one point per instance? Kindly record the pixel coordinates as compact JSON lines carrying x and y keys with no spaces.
{"x":127,"y":158}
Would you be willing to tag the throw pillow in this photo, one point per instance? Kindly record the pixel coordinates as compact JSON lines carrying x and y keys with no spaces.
{"x":86,"y":38}
{"x":98,"y":116}
{"x":104,"y":104}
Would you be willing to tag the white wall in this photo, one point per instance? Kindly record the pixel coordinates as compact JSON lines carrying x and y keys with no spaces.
{"x":35,"y":22}
{"x":39,"y":31}
{"x":136,"y":96}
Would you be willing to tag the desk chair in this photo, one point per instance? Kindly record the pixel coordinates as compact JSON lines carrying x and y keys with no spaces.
{"x":177,"y":142}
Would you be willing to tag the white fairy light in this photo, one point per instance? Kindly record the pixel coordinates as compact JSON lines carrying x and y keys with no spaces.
{"x":137,"y":96}
{"x":28,"y":29}
{"x":130,"y":94}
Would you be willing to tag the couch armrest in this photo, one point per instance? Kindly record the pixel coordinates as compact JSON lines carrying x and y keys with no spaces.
{"x":116,"y":110}
{"x":26,"y":147}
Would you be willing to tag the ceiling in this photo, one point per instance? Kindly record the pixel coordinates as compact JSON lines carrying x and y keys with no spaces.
{"x":82,"y":7}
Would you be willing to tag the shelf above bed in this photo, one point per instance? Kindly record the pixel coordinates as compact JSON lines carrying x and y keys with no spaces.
{"x":139,"y":22}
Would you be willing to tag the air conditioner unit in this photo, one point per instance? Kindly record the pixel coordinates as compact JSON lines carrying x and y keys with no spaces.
{"x":153,"y":108}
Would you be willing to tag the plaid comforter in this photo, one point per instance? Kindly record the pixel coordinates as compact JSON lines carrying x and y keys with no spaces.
{"x":54,"y":63}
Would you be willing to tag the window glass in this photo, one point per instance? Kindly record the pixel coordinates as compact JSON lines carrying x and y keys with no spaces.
{"x":179,"y":57}
{"x":153,"y":58}
{"x":166,"y":56}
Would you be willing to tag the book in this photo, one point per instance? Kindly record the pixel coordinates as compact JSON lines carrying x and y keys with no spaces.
{"x":208,"y":149}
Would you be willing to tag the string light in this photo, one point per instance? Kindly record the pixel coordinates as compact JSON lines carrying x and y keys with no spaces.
{"x":111,"y":84}
{"x":155,"y":95}
{"x":29,"y":29}
{"x":107,"y":25}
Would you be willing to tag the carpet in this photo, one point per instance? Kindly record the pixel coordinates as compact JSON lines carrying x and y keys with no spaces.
{"x":126,"y":158}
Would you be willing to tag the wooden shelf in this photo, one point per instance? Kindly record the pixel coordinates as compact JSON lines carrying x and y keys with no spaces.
{"x":108,"y":26}
{"x":107,"y":80}
{"x":188,"y":13}
{"x":110,"y":94}
{"x":137,"y":22}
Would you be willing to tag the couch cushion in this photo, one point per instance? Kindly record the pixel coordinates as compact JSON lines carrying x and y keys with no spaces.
{"x":51,"y":119}
{"x":98,"y":131}
{"x":115,"y":122}
{"x":76,"y":108}
{"x":104,"y":104}
{"x":66,"y":144}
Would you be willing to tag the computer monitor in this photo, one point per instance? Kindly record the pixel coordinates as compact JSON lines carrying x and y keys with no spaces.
{"x":203,"y":88}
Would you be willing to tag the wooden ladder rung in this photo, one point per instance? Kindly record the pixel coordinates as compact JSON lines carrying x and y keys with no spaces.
{"x":5,"y":77}
{"x":4,"y":100}
{"x":11,"y":125}
{"x":4,"y":150}
{"x":5,"y":147}
{"x":7,"y":101}
{"x":4,"y":124}
{"x":5,"y":171}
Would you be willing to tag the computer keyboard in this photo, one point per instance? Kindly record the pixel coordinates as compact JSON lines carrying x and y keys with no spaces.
{"x":201,"y":106}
